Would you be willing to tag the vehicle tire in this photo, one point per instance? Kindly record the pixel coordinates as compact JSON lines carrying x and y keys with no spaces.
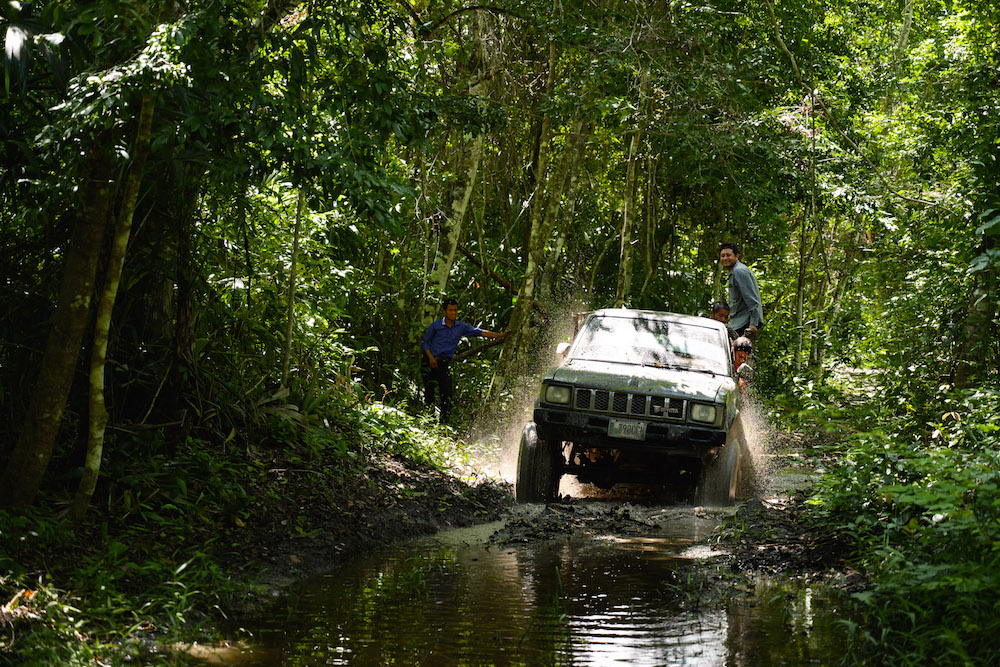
{"x":747,"y":484}
{"x":538,"y":472}
{"x":726,"y":477}
{"x":747,"y":481}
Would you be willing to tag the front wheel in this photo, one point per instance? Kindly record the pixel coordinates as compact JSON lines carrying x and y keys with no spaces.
{"x":538,"y":473}
{"x":730,"y":474}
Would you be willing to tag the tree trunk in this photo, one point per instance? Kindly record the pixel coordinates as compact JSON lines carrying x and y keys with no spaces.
{"x":36,"y":439}
{"x":459,"y":193}
{"x":817,"y":337}
{"x":900,"y":51}
{"x":517,"y":343}
{"x":292,"y":277}
{"x":451,"y":225}
{"x":670,"y":254}
{"x":102,"y":325}
{"x":541,"y":232}
{"x":650,"y":218}
{"x":568,"y":212}
{"x":628,"y":215}
{"x":405,"y":310}
{"x":800,"y":287}
{"x":978,"y":330}
{"x":843,"y":280}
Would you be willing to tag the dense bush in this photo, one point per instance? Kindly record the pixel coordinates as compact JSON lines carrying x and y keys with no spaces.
{"x":921,"y":503}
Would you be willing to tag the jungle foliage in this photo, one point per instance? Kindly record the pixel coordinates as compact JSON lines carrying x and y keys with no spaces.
{"x":299,"y":183}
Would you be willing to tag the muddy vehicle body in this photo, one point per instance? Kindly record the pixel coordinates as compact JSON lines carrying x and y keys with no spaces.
{"x":641,"y":397}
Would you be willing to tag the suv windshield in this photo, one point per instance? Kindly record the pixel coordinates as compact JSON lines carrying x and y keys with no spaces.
{"x":652,"y":342}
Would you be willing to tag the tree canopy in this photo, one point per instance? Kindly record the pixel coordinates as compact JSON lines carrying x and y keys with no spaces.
{"x":318,"y":175}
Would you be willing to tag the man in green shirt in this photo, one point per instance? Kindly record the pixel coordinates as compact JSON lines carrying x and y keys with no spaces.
{"x":746,"y":315}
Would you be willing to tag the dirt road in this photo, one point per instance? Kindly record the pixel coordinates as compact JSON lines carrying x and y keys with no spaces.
{"x":396,"y":501}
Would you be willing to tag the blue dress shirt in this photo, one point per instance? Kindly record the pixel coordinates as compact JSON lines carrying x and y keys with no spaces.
{"x":442,"y":340}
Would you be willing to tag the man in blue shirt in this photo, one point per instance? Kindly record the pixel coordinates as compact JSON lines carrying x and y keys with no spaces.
{"x":746,"y":316}
{"x":439,"y":345}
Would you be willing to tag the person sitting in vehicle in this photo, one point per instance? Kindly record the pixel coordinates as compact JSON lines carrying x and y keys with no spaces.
{"x":720,"y":313}
{"x":742,"y":349}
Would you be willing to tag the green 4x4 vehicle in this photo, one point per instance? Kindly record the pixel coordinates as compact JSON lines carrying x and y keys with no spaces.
{"x":641,"y":397}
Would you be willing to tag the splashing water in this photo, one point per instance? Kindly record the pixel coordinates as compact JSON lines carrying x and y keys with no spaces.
{"x":496,"y":433}
{"x":760,"y":439}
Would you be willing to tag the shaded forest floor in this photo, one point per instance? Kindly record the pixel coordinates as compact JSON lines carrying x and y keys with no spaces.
{"x":310,"y":520}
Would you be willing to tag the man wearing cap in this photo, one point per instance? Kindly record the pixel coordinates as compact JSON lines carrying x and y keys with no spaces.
{"x":746,"y":315}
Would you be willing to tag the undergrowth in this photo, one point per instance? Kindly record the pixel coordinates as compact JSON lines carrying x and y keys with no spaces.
{"x":148,"y":567}
{"x":917,"y":494}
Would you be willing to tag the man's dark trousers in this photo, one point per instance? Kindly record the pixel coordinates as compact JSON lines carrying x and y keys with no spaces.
{"x":440,"y":377}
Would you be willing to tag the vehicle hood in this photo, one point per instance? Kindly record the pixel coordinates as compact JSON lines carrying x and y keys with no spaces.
{"x":641,"y":379}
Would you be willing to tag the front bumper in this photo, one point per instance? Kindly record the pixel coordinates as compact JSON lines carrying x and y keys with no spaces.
{"x":591,"y":430}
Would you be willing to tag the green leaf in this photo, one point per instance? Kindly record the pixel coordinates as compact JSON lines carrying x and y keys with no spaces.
{"x":989,"y":258}
{"x":991,"y":226}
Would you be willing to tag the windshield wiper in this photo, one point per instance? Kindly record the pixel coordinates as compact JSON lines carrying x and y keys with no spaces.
{"x":605,"y":361}
{"x":660,"y":364}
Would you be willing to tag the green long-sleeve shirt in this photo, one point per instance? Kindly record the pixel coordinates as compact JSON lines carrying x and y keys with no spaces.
{"x":745,"y":306}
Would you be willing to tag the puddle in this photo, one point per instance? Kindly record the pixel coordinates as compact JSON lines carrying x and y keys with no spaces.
{"x":662,"y":598}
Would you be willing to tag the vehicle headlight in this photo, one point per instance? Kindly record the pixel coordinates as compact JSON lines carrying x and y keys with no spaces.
{"x":554,"y":393}
{"x":703,"y":413}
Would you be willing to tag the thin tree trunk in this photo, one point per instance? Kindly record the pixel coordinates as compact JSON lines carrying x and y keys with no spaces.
{"x":459,"y":194}
{"x":451,"y":226}
{"x":901,"y":44}
{"x":904,"y":31}
{"x":800,"y":287}
{"x":816,"y":331}
{"x":568,"y":211}
{"x":541,"y":232}
{"x":292,"y":277}
{"x":405,"y":310}
{"x":628,"y":215}
{"x":650,"y":219}
{"x":671,"y":250}
{"x":978,"y":331}
{"x":36,"y":439}
{"x":843,"y":279}
{"x":184,"y":328}
{"x":98,"y":412}
{"x":625,"y":259}
{"x":561,"y":180}
{"x":971,"y":356}
{"x":597,"y":264}
{"x":549,"y":270}
{"x":517,"y":343}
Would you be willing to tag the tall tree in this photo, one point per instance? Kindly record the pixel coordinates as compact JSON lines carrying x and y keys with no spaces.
{"x":37,"y":437}
{"x":98,"y":413}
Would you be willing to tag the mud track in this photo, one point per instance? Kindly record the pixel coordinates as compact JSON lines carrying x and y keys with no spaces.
{"x":396,"y":501}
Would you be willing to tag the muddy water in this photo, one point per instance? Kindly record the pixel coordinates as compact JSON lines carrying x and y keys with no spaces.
{"x":659,"y":598}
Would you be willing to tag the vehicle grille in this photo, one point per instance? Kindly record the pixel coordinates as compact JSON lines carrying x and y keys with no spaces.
{"x":626,"y":403}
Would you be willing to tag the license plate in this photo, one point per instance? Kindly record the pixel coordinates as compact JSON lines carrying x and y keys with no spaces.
{"x":627,"y":429}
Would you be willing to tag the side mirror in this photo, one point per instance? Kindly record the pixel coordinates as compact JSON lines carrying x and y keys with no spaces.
{"x":562,"y":349}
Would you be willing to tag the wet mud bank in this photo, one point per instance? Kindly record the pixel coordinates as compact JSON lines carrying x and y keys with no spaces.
{"x":316,"y":530}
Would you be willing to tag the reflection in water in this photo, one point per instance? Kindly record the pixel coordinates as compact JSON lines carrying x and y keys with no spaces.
{"x":594,"y":601}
